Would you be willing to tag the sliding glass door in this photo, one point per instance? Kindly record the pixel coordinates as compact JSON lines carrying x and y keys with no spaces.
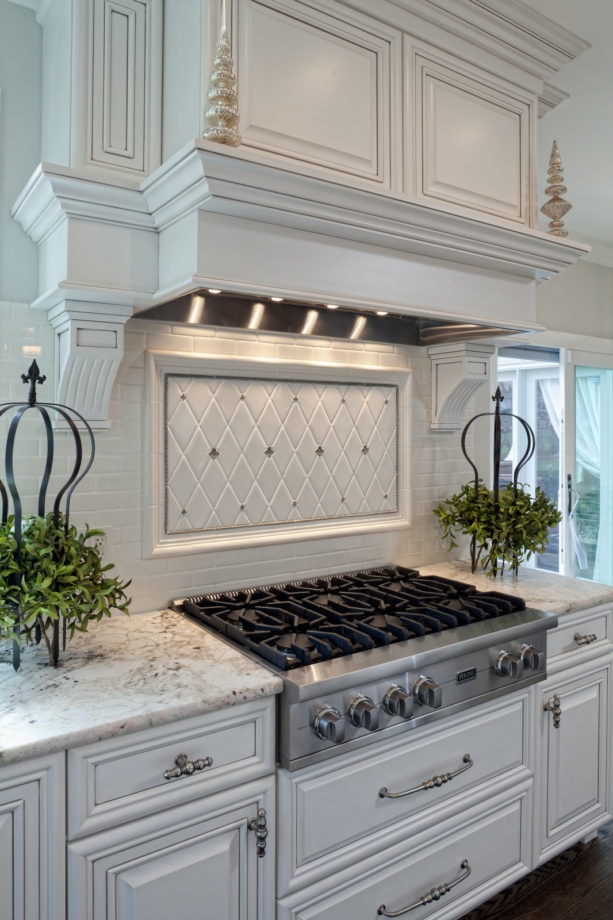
{"x":588,"y":477}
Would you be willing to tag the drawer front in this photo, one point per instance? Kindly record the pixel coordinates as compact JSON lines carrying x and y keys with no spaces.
{"x":584,"y":632}
{"x":339,"y":808}
{"x":120,"y":779}
{"x":491,"y":843}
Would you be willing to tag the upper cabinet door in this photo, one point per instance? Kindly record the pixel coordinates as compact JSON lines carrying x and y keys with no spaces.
{"x":472,"y":140}
{"x":317,"y":88}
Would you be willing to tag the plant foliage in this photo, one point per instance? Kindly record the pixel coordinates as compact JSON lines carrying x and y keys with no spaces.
{"x":58,"y":572}
{"x":505,"y":533}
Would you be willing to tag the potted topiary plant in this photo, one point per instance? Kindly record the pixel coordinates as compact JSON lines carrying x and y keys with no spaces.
{"x":506,"y":525}
{"x":503,"y":531}
{"x":53,"y":577}
{"x":56,"y":574}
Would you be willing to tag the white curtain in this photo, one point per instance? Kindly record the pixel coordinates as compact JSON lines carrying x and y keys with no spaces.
{"x":593,"y":452}
{"x":552,"y":397}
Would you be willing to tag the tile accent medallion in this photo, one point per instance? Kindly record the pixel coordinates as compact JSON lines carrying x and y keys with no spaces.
{"x":271,"y":450}
{"x":242,"y":453}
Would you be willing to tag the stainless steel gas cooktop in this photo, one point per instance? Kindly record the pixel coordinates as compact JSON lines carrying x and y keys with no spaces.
{"x":369,"y":653}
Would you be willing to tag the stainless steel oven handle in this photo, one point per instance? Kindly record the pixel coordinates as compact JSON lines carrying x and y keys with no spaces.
{"x":433,"y":895}
{"x":433,"y":783}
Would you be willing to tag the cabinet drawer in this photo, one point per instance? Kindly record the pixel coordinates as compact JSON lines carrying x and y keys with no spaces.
{"x":490,"y":841}
{"x":584,"y":631}
{"x":340,"y":808}
{"x":119,"y":779}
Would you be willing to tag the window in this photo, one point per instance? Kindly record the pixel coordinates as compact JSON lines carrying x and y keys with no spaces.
{"x":529,"y":380}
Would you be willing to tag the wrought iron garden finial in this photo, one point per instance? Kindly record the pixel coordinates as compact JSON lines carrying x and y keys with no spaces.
{"x":33,"y":377}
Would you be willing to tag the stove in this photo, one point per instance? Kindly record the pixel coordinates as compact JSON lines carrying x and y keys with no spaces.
{"x":372,"y":653}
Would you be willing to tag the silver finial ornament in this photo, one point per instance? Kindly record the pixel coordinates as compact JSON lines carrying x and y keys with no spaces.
{"x":221,"y":115}
{"x":556,"y":207}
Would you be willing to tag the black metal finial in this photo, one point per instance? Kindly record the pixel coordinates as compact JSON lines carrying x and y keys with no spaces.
{"x":498,"y":398}
{"x":33,"y":377}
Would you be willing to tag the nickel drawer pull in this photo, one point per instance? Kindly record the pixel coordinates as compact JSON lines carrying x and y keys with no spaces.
{"x":585,"y":640}
{"x":433,"y":783}
{"x":433,"y":895}
{"x":185,"y":767}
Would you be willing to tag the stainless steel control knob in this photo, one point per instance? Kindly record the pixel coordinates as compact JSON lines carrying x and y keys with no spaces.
{"x":508,"y":665}
{"x":427,"y":692}
{"x":398,"y":702}
{"x":532,"y":658}
{"x":329,"y":725}
{"x":364,"y":713}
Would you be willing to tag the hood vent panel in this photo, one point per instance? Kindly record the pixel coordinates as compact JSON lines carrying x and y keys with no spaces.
{"x":257,"y":314}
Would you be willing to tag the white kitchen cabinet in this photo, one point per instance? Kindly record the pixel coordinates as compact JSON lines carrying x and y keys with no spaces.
{"x":144,"y":836}
{"x":32,"y":833}
{"x":201,"y":857}
{"x":574,"y":785}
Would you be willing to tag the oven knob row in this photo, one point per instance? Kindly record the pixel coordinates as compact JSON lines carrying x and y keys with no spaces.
{"x":363,"y":712}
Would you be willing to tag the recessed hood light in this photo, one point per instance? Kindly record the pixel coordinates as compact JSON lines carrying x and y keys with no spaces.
{"x":278,"y":315}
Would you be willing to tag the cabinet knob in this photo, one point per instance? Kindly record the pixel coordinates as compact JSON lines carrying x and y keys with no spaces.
{"x":428,"y":693}
{"x":586,"y":639}
{"x":185,"y":767}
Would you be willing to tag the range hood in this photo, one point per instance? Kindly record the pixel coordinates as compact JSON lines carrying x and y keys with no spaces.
{"x":261,"y":231}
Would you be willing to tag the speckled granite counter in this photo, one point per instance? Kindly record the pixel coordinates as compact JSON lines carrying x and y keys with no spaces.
{"x":126,"y":674}
{"x":542,"y":590}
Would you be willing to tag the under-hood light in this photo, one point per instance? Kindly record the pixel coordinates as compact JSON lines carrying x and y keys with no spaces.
{"x":257,"y":312}
{"x":310,"y":322}
{"x":196,"y":309}
{"x":358,"y":327}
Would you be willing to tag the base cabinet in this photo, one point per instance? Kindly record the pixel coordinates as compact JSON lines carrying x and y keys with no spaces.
{"x":32,"y":831}
{"x":574,"y":784}
{"x":203,"y":856}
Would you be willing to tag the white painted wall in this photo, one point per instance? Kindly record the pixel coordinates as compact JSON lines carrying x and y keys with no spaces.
{"x":20,"y":132}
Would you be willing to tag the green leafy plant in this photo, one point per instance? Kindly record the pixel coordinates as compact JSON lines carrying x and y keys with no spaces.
{"x":502,"y":533}
{"x":58,"y":572}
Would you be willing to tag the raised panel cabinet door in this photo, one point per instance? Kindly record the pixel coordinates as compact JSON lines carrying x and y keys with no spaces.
{"x":317,"y":88}
{"x":31,"y":841}
{"x":473,"y":142}
{"x":182,"y":860}
{"x":576,"y":757}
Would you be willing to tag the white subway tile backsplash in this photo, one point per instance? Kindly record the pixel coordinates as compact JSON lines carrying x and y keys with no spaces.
{"x":111,"y":496}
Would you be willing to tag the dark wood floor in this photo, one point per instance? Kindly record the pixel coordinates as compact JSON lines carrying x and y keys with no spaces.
{"x":576,"y":885}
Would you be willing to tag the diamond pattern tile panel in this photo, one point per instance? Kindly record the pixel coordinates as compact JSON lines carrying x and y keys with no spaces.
{"x":244,"y":452}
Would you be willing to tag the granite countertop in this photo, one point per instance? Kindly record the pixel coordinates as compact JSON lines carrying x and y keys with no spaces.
{"x":128,"y":673}
{"x":542,"y":590}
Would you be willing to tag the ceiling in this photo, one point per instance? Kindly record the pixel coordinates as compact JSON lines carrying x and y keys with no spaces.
{"x":583,"y":124}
